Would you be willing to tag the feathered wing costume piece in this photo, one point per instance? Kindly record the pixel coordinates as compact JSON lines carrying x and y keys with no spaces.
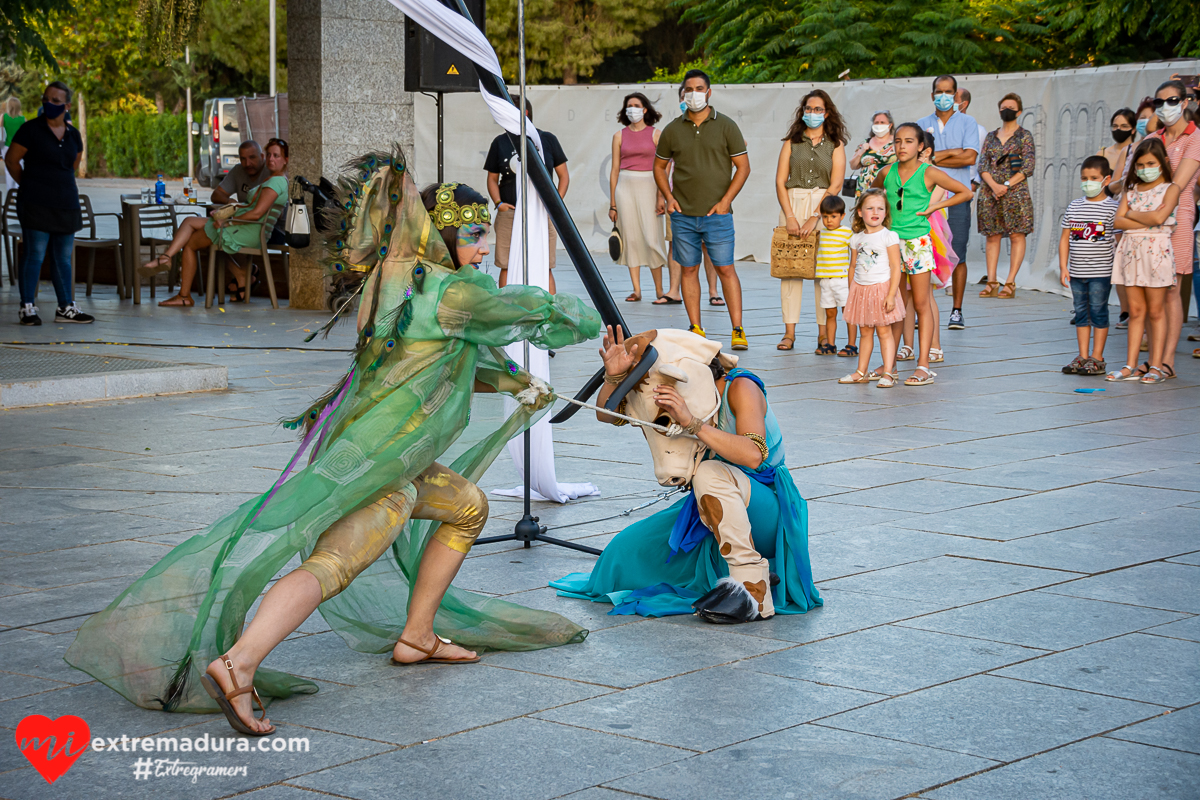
{"x":427,"y":332}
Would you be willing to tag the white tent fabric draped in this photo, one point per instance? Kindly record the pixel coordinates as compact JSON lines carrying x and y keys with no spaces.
{"x":456,"y":31}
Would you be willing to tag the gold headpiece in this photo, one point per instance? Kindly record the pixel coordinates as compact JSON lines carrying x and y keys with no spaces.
{"x":449,"y":214}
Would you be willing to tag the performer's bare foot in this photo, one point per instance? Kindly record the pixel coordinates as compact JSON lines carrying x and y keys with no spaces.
{"x":243,"y":703}
{"x":404,"y":654}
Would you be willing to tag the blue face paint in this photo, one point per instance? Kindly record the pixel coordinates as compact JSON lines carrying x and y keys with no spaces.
{"x":471,"y":235}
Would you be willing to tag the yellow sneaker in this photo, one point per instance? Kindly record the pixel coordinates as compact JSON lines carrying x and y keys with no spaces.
{"x":696,"y":329}
{"x":739,"y":339}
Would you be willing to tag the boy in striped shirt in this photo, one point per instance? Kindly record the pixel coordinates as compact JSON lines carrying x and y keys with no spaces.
{"x":1085,"y":261}
{"x":833,"y":268}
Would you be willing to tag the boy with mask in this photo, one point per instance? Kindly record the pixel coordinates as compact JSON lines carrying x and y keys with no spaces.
{"x":1085,"y":262}
{"x":711,"y":166}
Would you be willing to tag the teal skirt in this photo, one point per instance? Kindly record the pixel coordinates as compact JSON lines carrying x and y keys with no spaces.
{"x":639,"y":574}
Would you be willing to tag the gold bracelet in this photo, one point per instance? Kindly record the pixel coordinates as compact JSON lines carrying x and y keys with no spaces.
{"x":621,"y":410}
{"x":761,"y":443}
{"x":694,"y":426}
{"x":615,"y":380}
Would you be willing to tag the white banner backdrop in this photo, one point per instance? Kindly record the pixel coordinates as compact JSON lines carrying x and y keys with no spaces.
{"x":1067,"y":111}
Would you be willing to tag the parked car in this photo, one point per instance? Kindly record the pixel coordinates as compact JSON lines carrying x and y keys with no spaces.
{"x":219,"y":140}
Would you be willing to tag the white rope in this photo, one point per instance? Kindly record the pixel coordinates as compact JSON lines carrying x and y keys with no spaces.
{"x":672,"y":430}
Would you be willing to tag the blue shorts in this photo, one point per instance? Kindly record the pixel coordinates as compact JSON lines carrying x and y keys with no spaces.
{"x":1091,"y":301}
{"x":958,"y":219}
{"x":714,"y":232}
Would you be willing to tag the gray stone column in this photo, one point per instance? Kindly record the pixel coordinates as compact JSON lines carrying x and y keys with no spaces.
{"x":345,"y":96}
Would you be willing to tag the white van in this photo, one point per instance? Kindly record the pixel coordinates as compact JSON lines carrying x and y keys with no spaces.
{"x":219,"y":140}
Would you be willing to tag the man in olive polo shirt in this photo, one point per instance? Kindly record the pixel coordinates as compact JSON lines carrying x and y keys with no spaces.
{"x":706,"y":147}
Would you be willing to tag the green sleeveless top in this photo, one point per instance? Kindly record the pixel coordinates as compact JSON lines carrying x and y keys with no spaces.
{"x":905,"y":222}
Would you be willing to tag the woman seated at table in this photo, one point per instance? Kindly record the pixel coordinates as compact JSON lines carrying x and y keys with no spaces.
{"x":230,"y":235}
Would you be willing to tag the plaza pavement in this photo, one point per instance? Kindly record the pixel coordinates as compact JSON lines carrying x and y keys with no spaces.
{"x":1011,"y":574}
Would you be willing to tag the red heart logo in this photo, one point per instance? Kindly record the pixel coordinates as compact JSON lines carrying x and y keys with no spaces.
{"x":50,"y":744}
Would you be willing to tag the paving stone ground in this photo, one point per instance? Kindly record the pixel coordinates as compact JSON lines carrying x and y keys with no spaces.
{"x":1011,"y":574}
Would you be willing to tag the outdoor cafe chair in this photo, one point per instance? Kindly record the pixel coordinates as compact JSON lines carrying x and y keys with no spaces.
{"x":10,"y":230}
{"x":91,"y":242}
{"x":216,"y":283}
{"x":157,"y":230}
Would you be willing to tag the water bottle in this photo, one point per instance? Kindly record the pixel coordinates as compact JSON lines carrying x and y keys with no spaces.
{"x":160,"y":190}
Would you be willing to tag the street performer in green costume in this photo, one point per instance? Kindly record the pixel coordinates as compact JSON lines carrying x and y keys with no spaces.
{"x":429,"y":325}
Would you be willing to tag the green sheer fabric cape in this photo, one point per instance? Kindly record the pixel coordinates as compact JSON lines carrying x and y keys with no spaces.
{"x":427,"y":332}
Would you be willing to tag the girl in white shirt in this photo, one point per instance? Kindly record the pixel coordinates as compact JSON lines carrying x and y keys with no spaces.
{"x":872,"y":305}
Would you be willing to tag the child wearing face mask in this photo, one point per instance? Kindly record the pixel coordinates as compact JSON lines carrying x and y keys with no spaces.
{"x":1145,"y":261}
{"x":1086,"y":250}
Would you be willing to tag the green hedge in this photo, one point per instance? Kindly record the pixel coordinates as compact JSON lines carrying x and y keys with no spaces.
{"x":139,"y":145}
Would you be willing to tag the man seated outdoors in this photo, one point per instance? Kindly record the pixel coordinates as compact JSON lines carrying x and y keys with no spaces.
{"x":241,"y":180}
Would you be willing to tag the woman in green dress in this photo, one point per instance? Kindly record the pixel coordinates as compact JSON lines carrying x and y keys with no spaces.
{"x":13,"y":119}
{"x":264,"y":204}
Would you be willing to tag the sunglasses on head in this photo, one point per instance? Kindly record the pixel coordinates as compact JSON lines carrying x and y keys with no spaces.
{"x":1159,"y":102}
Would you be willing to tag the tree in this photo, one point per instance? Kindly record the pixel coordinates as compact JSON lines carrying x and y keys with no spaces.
{"x":567,"y":39}
{"x":20,"y":23}
{"x":779,"y":40}
{"x":1115,"y":31}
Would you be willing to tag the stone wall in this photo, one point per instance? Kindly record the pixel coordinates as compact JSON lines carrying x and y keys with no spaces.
{"x":346,"y":95}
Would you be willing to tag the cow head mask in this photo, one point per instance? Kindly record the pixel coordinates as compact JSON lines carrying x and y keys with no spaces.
{"x":683,"y":361}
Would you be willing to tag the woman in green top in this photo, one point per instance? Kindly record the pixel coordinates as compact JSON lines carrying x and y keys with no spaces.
{"x":909,"y":186}
{"x":12,"y":120}
{"x":264,"y":205}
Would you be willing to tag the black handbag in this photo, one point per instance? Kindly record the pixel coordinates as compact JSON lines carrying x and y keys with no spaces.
{"x":849,"y":187}
{"x":616,"y":246}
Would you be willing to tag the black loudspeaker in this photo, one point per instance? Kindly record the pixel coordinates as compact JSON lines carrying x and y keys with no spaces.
{"x":431,"y":65}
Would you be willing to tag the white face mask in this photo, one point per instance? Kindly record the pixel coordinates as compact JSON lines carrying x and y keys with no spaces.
{"x":634,"y":114}
{"x":880,"y":131}
{"x":1170,"y":114}
{"x":1091,"y":188}
{"x":696,"y":101}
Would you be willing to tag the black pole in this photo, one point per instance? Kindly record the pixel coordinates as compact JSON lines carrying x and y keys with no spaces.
{"x":440,"y":111}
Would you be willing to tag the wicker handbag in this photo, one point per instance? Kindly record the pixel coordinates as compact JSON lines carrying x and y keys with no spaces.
{"x":793,"y":256}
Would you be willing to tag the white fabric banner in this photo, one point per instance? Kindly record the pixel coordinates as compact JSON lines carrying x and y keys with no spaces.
{"x":1067,"y":111}
{"x":460,"y":34}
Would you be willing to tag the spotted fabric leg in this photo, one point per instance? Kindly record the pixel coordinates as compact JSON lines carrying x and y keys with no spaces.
{"x":723,"y":494}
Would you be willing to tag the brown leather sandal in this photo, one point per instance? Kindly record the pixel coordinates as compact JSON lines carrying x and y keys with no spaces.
{"x":991,"y":289}
{"x":430,"y":653}
{"x":214,"y":691}
{"x":1011,"y":288}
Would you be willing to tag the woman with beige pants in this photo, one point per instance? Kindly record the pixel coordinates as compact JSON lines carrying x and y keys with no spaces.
{"x":812,"y":162}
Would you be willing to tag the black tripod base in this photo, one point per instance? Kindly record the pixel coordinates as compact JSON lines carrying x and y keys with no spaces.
{"x":528,"y":531}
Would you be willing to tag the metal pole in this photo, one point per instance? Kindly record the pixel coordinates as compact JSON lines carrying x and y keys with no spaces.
{"x":524,"y":213}
{"x":441,"y":139}
{"x":272,"y":48}
{"x":187,"y":59}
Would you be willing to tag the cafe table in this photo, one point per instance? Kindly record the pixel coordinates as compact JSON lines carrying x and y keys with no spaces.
{"x":131,"y":232}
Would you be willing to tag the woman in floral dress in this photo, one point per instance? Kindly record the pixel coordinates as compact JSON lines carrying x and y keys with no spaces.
{"x":876,"y":152}
{"x":1005,"y":205}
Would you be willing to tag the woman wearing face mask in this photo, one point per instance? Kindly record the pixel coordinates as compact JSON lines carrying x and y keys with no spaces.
{"x":1124,"y":135}
{"x":1005,"y":205}
{"x":637,"y":207}
{"x":43,"y":157}
{"x":1182,"y":141}
{"x":812,"y":159}
{"x":876,"y":152}
{"x":1147,"y":122}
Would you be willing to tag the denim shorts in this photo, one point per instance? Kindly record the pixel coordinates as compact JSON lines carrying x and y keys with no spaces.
{"x":714,"y":232}
{"x":1091,"y":301}
{"x":958,"y":219}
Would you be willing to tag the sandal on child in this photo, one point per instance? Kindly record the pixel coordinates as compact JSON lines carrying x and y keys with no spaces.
{"x":1120,"y":375}
{"x":913,"y":380}
{"x":1011,"y":288}
{"x":855,"y":377}
{"x":1154,"y":375}
{"x":431,"y":654}
{"x":887,"y":380}
{"x":1092,"y":366}
{"x":1075,"y":367}
{"x":905,"y":353}
{"x":1167,"y":372}
{"x":875,"y":374}
{"x":991,"y":289}
{"x":825,"y":350}
{"x":214,"y":691}
{"x":849,"y":351}
{"x":936,"y":356}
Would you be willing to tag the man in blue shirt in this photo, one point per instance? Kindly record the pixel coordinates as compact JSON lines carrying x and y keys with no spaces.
{"x":956,"y":139}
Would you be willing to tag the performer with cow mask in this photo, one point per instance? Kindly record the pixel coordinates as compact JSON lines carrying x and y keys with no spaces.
{"x":735,"y":548}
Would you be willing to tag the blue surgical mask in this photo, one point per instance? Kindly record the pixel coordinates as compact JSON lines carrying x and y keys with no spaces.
{"x":1149,"y":174}
{"x":814,"y":120}
{"x":52,"y":110}
{"x":943,"y":101}
{"x":682,"y":107}
{"x":1141,"y":126}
